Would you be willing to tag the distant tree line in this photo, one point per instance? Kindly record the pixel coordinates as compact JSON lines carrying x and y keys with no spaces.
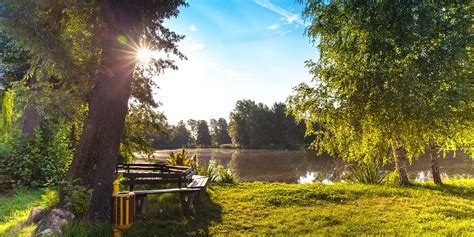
{"x":251,"y":125}
{"x":257,"y":126}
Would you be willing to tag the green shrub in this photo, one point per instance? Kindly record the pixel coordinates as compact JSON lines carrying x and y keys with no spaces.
{"x":366,"y":173}
{"x":50,"y":199}
{"x":37,"y":162}
{"x":76,"y":197}
{"x":209,"y":170}
{"x":183,"y":159}
{"x":218,"y":173}
{"x":215,"y":172}
{"x":391,"y":178}
{"x":226,"y":175}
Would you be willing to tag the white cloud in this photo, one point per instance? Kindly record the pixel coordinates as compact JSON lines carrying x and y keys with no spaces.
{"x":273,"y":26}
{"x":289,"y":17}
{"x":192,"y":28}
{"x":191,"y":45}
{"x":292,"y":18}
{"x":282,"y":33}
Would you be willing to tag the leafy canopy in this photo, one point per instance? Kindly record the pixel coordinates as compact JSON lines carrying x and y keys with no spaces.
{"x":389,"y":73}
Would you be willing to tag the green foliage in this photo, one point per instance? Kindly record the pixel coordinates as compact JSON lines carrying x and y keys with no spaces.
{"x":76,"y":197}
{"x":220,"y":131}
{"x":256,"y":126}
{"x":13,"y":63}
{"x":6,"y":115}
{"x":217,"y":172}
{"x":365,"y":173}
{"x":213,"y":170}
{"x":40,"y":161}
{"x":392,"y":178}
{"x":140,"y":123}
{"x":226,"y":175}
{"x":210,"y":170}
{"x":200,"y":131}
{"x":180,"y":135}
{"x":183,"y":159}
{"x":50,"y":198}
{"x":388,"y":74}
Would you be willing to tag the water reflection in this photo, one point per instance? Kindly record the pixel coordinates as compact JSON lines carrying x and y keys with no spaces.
{"x":305,"y":167}
{"x":326,"y":181}
{"x":310,"y":177}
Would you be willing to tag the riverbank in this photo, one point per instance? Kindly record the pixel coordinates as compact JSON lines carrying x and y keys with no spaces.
{"x":288,"y":209}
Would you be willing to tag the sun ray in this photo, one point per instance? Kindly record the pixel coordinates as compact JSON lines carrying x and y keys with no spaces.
{"x":144,"y":55}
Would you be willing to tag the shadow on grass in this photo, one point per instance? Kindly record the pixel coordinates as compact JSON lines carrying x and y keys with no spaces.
{"x":461,"y":191}
{"x":164,"y":216}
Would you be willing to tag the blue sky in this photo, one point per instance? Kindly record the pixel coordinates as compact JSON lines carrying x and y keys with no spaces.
{"x":236,"y":49}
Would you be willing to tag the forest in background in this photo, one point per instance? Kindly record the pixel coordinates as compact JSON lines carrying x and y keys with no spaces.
{"x":252,"y":125}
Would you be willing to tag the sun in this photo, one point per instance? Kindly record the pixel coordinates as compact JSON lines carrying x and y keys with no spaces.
{"x":144,"y":55}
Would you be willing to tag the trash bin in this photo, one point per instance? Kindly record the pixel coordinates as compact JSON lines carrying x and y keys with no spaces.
{"x":123,"y":209}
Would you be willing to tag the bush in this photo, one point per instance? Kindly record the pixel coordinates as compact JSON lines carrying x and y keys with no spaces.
{"x":366,"y":173}
{"x":41,"y":161}
{"x":226,"y":175}
{"x":391,"y":178}
{"x":50,"y":199}
{"x":183,"y":159}
{"x":218,"y":173}
{"x":209,"y":170}
{"x":213,"y":170}
{"x":76,"y":197}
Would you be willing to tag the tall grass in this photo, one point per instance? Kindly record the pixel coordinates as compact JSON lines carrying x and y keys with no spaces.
{"x":365,"y":173}
{"x":213,"y":170}
{"x":217,"y":172}
{"x":183,"y":159}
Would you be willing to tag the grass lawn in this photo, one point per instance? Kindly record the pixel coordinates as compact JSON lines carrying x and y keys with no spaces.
{"x":287,"y":209}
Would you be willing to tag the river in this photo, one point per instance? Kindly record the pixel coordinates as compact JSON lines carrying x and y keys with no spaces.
{"x":306,"y":167}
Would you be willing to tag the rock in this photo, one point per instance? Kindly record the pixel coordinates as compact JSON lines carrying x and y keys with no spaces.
{"x":36,"y":214}
{"x":51,"y":224}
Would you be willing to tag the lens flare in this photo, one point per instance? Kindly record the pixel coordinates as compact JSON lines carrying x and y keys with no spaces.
{"x":144,"y":55}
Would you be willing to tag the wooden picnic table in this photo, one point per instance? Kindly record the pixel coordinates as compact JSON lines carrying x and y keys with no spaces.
{"x":189,"y":184}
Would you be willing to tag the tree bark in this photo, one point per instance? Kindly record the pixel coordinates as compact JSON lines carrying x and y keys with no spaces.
{"x":96,"y":154}
{"x":400,"y":162}
{"x":31,"y":118}
{"x":434,"y":161}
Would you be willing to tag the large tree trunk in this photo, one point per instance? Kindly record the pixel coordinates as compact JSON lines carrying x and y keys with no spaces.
{"x":400,"y":162}
{"x":434,"y":161}
{"x":96,"y":154}
{"x":31,"y":118}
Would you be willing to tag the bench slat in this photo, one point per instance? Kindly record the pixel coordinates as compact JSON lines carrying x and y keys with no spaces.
{"x":143,"y":168}
{"x":132,"y":165}
{"x":152,"y":181}
{"x":151,"y":175}
{"x":170,"y":190}
{"x":193,"y":183}
{"x":199,"y":183}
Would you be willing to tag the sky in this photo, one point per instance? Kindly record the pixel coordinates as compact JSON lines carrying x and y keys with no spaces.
{"x":236,"y":49}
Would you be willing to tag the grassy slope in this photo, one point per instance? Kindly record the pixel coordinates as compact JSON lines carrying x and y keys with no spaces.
{"x":275,"y":208}
{"x":14,"y":210}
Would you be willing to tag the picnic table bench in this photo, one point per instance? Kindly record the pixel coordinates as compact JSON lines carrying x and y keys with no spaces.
{"x":189,"y":185}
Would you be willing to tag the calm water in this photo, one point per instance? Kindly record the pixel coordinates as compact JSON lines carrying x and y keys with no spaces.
{"x":305,"y":167}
